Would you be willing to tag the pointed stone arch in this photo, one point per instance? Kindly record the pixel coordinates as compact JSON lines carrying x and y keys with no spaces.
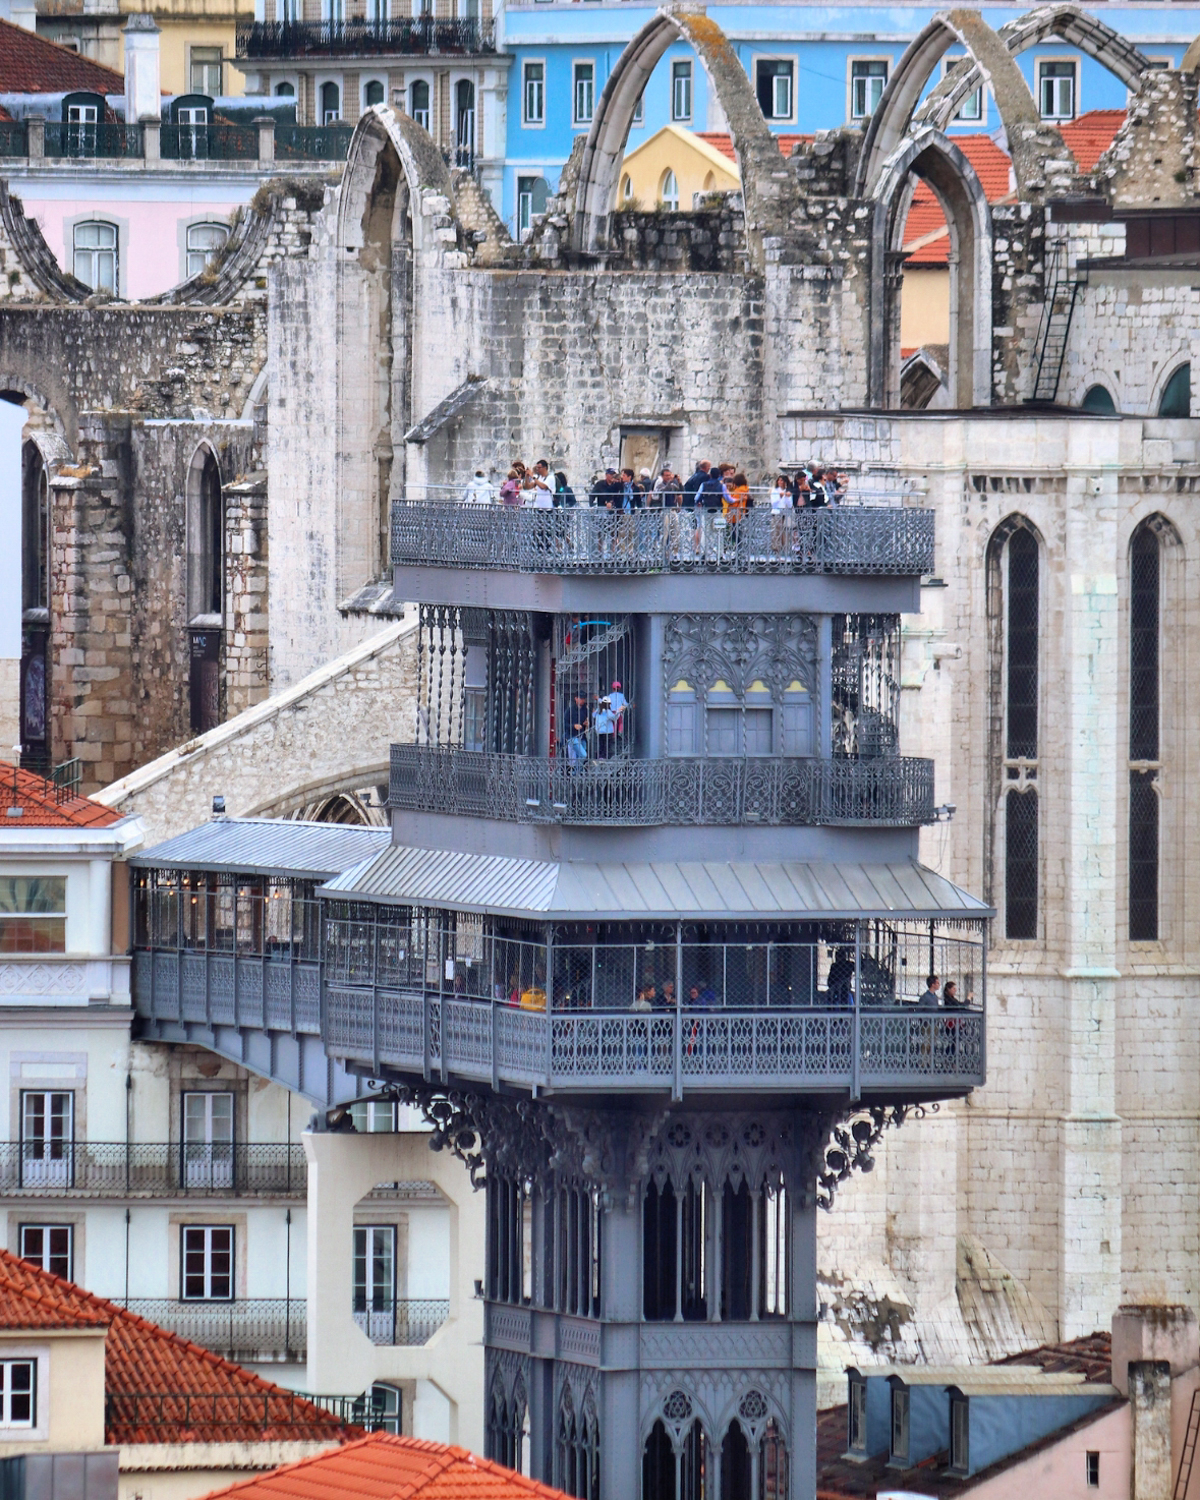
{"x":938,"y":162}
{"x":386,"y":148}
{"x":766,"y":180}
{"x":991,"y":61}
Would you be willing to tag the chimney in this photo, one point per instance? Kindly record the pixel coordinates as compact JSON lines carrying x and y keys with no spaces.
{"x":1167,"y":1333}
{"x":143,"y":91}
{"x":1150,"y":1418}
{"x":23,"y":13}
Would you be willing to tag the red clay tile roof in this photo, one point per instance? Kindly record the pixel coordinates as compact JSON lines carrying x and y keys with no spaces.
{"x":1090,"y":136}
{"x":385,"y":1467}
{"x":41,"y":806}
{"x":29,"y":64}
{"x":160,"y":1388}
{"x":724,"y":143}
{"x":925,"y":231}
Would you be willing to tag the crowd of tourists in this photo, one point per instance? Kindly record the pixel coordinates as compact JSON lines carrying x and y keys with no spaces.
{"x":715,"y":487}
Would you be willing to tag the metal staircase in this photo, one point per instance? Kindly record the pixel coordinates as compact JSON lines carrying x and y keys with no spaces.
{"x":1188,"y":1457}
{"x":1064,"y":282}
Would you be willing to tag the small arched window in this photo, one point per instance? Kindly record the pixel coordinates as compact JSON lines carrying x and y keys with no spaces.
{"x":669,"y":191}
{"x":373,"y":93}
{"x":626,"y":188}
{"x":1176,"y":399}
{"x":331,"y":103}
{"x":418,"y":103}
{"x":285,"y":90}
{"x":1098,"y":398}
{"x":95,"y":255}
{"x":204,"y":243}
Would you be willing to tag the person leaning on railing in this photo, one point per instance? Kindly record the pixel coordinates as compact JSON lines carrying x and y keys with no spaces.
{"x":480,"y":490}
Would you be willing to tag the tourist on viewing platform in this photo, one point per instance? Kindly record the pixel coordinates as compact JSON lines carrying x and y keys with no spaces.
{"x":737,"y":499}
{"x":929,"y":1000}
{"x":782,"y":499}
{"x":668,"y":492}
{"x":604,"y":488}
{"x":480,"y":490}
{"x":604,"y":722}
{"x":564,"y":495}
{"x":632,"y":495}
{"x":540,"y":476}
{"x":510,"y":490}
{"x":695,"y":484}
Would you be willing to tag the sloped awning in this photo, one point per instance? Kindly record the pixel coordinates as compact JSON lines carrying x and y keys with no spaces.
{"x":446,"y":410}
{"x":656,"y":890}
{"x":267,"y":846}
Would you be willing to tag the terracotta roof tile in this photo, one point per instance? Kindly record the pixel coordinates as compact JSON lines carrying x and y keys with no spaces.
{"x":723,"y":143}
{"x":1090,"y":136}
{"x":29,"y":64}
{"x":40,"y":804}
{"x":386,"y":1467}
{"x":160,"y":1388}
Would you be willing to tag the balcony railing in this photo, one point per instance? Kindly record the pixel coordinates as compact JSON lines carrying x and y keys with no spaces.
{"x":312,"y":142}
{"x":108,"y":139}
{"x":408,"y":1321}
{"x":197,"y":1416}
{"x":846,"y":539}
{"x":218,"y":142}
{"x":114,"y":1169}
{"x":224,"y":989}
{"x":398,"y":37}
{"x":254,"y":1328}
{"x":888,"y":791}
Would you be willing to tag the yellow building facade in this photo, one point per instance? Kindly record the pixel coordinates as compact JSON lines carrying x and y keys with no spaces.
{"x":670,"y":168}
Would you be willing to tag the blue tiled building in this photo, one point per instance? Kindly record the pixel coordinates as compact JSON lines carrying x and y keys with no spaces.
{"x":814,"y":67}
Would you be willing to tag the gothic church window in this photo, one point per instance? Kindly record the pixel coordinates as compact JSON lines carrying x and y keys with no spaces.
{"x":1144,"y":747}
{"x":1176,"y":399}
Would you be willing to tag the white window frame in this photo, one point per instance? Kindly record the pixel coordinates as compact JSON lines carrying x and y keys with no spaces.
{"x":678,"y":64}
{"x":220,"y":61}
{"x":424,"y":78}
{"x":528,"y":121}
{"x":975,"y":122}
{"x":367,"y":1259}
{"x":670,"y":205}
{"x":29,"y":1370}
{"x":188,"y":250}
{"x":186,"y":1232}
{"x":48,"y":1160}
{"x":577,"y":118}
{"x":850,"y":81}
{"x":774,"y":57}
{"x":1058,"y":119}
{"x":116,"y":248}
{"x":363,"y":82}
{"x":639,"y":111}
{"x":292,"y":79}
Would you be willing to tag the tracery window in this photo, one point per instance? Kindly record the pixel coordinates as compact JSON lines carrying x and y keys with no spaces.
{"x":1145,"y":565}
{"x":1014,"y":569}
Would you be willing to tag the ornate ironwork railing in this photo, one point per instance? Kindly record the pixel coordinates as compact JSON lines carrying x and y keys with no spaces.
{"x":846,"y":539}
{"x":217,"y":142}
{"x":14,"y":138}
{"x":399,"y":36}
{"x":248,"y":1329}
{"x":821,"y":1047}
{"x":116,"y":1168}
{"x":102,"y":138}
{"x":407,"y":1321}
{"x":885,"y":791}
{"x":312,"y":142}
{"x":224,"y":989}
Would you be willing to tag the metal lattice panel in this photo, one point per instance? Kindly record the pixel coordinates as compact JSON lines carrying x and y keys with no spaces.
{"x":865,"y":684}
{"x":1021,"y":864}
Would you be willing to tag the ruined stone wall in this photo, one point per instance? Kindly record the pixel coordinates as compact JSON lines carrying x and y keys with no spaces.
{"x":1130,"y":332}
{"x":697,"y":241}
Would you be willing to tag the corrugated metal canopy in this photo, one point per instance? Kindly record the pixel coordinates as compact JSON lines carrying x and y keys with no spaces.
{"x":664,"y":889}
{"x":267,"y":846}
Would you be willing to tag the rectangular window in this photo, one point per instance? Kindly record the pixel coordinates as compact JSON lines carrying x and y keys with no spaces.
{"x":207,"y":1263}
{"x":94,"y":255}
{"x":373,"y":1116}
{"x":533,"y":93}
{"x":639,"y":110}
{"x":971,"y":108}
{"x":1093,"y":1471}
{"x":681,"y":92}
{"x":374,"y":1267}
{"x":797,"y":728}
{"x":899,"y":1422}
{"x":960,"y":1431}
{"x":208,"y":1140}
{"x":759,"y":731}
{"x":33,"y":914}
{"x":867,"y":83}
{"x":206,"y":70}
{"x":773,"y":84}
{"x":856,"y":1424}
{"x":724,"y":731}
{"x":584,"y":77}
{"x":49,"y":1247}
{"x":681,"y":728}
{"x":1021,"y":864}
{"x":47,"y":1137}
{"x":1056,"y":90}
{"x":18,"y":1386}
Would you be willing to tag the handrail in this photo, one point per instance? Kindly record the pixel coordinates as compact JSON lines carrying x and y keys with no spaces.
{"x":890,"y":791}
{"x":48,"y":1167}
{"x":403,"y":35}
{"x":846,"y":539}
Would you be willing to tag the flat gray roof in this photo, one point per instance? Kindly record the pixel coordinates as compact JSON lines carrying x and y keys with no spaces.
{"x":267,"y":846}
{"x":713,"y":889}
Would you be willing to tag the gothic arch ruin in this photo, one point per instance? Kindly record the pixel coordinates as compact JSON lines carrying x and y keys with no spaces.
{"x":930,"y":156}
{"x":766,"y":181}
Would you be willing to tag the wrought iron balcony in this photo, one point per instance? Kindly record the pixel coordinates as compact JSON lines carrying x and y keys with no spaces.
{"x":399,"y":37}
{"x":888,"y":791}
{"x":405,"y":1321}
{"x":842,"y":540}
{"x":115,"y":1169}
{"x":224,"y":989}
{"x":254,"y":1328}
